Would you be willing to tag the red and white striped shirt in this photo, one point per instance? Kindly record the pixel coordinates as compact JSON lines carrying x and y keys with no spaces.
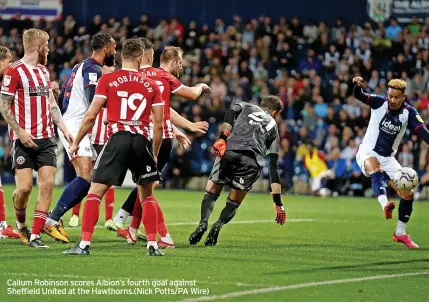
{"x":30,"y":86}
{"x":167,"y":84}
{"x":129,"y":99}
{"x":98,"y":134}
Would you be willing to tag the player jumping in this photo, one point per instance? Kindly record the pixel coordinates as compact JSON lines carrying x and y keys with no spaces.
{"x":390,"y":118}
{"x":76,"y":97}
{"x":248,"y":135}
{"x":29,"y":107}
{"x":5,"y":230}
{"x":130,"y":98}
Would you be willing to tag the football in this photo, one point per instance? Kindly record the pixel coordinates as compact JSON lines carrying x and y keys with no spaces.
{"x":406,"y":178}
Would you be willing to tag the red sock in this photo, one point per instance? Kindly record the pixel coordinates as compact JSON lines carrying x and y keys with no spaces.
{"x":39,"y":222}
{"x":150,"y":218}
{"x":2,"y":208}
{"x":162,"y":228}
{"x":109,"y":200}
{"x":91,"y":213}
{"x":21,"y":214}
{"x":76,"y":209}
{"x":137,"y":214}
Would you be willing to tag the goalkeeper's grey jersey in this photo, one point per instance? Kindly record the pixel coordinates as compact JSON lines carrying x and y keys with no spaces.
{"x":254,"y":130}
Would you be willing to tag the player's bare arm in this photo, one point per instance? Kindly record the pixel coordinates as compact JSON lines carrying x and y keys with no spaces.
{"x":181,"y":137}
{"x":87,"y":122}
{"x":194,"y":92}
{"x":25,"y":137}
{"x":179,"y":121}
{"x":57,"y":117}
{"x":158,"y":127}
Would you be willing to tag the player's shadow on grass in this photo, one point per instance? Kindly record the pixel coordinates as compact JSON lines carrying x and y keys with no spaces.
{"x":355,"y":266}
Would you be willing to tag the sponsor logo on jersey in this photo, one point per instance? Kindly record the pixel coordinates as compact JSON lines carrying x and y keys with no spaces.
{"x":131,"y":123}
{"x":37,"y":91}
{"x":390,"y":127}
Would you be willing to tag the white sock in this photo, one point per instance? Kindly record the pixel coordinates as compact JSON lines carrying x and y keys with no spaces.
{"x":3,"y":225}
{"x":133,"y":232}
{"x":167,"y":239}
{"x":33,"y":236}
{"x":152,"y":243}
{"x":382,"y":199}
{"x":129,"y":220}
{"x":49,"y":221}
{"x":121,"y":216}
{"x":20,"y":225}
{"x":83,"y":244}
{"x":400,"y":228}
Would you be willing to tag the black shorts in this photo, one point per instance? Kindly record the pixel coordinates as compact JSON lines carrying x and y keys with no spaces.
{"x":164,"y":153}
{"x":240,"y":170}
{"x":44,"y":155}
{"x":98,"y":148}
{"x":124,"y":152}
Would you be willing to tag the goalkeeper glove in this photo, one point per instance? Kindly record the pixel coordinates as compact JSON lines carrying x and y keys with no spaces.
{"x":281,"y":213}
{"x":219,"y":147}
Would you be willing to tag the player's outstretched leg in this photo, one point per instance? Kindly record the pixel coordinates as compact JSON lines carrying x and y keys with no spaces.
{"x":226,"y":215}
{"x":378,"y":179}
{"x":73,"y":193}
{"x":74,"y":220}
{"x":404,"y":214}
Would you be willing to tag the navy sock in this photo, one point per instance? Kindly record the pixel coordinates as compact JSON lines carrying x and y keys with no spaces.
{"x":131,"y":200}
{"x":405,"y":209}
{"x":377,"y":184}
{"x":73,"y":193}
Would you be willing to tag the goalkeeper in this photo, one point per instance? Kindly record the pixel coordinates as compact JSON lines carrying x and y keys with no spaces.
{"x":248,"y":135}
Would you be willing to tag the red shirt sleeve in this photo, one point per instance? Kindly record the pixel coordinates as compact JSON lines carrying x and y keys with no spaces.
{"x":175,"y":83}
{"x":10,"y":83}
{"x":101,"y":90}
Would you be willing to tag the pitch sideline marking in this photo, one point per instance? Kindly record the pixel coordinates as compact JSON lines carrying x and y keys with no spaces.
{"x":66,"y":276}
{"x":302,"y":285}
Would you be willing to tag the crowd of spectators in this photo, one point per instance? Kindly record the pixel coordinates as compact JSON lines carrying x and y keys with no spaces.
{"x":306,"y":63}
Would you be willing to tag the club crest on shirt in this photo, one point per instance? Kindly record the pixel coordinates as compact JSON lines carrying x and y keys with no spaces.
{"x":6,"y":80}
{"x":92,"y":78}
{"x":402,"y":118}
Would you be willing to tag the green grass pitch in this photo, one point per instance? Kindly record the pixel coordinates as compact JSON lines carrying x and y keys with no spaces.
{"x":336,"y":249}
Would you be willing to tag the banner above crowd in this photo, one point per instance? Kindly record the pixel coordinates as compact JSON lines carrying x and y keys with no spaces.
{"x":32,"y":9}
{"x":403,"y":10}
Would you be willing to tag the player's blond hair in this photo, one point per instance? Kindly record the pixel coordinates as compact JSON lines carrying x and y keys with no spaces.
{"x":33,"y":37}
{"x":397,"y":84}
{"x":171,"y":53}
{"x":4,"y":53}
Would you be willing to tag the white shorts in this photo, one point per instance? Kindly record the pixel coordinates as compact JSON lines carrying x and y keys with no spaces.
{"x":85,"y":146}
{"x":388,"y":164}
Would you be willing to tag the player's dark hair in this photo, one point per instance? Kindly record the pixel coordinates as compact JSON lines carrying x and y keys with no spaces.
{"x":4,"y":53}
{"x":100,"y":40}
{"x":132,"y":48}
{"x":272,"y":103}
{"x":170,"y":53}
{"x":147,"y":44}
